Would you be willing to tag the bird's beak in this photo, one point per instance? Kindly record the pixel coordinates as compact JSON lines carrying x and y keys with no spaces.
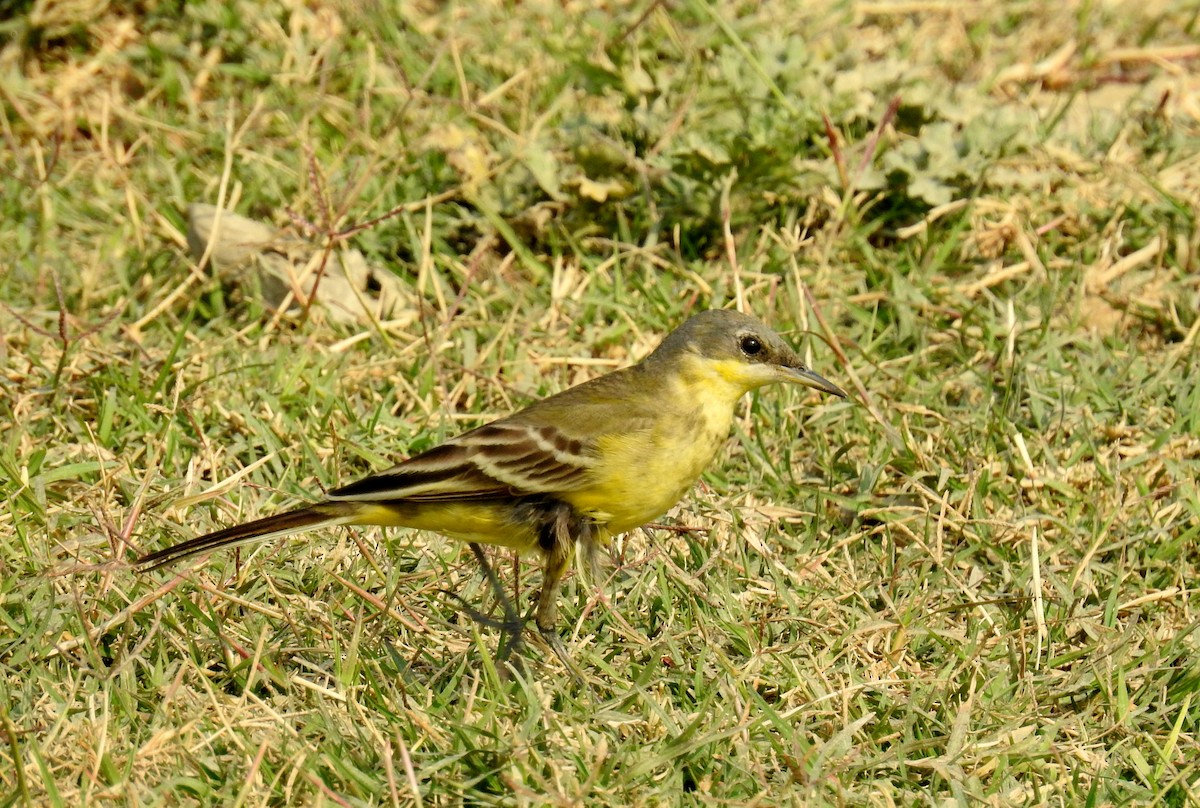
{"x":804,"y":376}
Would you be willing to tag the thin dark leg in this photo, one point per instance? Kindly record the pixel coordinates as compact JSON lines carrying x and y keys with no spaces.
{"x":513,"y":623}
{"x":547,"y":607}
{"x":558,"y":542}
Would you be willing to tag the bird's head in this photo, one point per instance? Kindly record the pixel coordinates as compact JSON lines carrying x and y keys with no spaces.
{"x":738,"y":351}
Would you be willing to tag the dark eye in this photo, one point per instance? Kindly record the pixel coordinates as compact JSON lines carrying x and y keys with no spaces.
{"x":750,"y":345}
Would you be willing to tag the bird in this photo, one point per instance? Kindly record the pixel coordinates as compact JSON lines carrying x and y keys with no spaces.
{"x":569,"y":472}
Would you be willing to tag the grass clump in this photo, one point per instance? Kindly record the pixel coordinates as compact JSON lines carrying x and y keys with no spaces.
{"x":974,"y":585}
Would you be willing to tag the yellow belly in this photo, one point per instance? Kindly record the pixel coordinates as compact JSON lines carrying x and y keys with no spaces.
{"x":482,"y":522}
{"x":646,"y":474}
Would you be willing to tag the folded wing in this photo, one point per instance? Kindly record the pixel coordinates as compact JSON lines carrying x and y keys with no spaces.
{"x":503,"y":459}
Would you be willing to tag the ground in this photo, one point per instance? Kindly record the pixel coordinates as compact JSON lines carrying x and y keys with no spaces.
{"x":971,"y":583}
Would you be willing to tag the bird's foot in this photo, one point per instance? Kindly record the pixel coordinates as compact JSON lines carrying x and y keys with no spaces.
{"x":551,"y":638}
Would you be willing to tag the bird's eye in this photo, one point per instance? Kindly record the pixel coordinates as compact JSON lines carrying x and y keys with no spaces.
{"x":751,"y":345}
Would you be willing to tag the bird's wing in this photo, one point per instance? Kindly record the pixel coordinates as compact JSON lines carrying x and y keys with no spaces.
{"x":506,"y":458}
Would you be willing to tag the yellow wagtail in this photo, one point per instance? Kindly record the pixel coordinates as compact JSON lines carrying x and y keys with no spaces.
{"x":579,"y":467}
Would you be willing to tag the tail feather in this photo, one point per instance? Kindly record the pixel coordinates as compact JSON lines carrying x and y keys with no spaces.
{"x":326,"y":514}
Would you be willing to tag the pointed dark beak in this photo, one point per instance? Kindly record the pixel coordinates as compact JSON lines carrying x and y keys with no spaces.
{"x":804,"y":376}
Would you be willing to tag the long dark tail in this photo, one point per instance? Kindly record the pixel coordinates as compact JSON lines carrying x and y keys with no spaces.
{"x":325,"y":514}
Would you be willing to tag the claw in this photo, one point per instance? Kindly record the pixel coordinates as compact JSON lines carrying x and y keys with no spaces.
{"x":551,"y":638}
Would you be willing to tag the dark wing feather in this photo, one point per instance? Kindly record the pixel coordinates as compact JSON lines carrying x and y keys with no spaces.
{"x":506,"y":458}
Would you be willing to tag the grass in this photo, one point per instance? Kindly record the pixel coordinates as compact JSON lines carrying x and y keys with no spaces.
{"x":973,"y":585}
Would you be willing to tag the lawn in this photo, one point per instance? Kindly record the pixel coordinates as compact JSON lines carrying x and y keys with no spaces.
{"x":971,"y":583}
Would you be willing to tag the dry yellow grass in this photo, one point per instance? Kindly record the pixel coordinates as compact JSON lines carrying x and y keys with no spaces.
{"x":976,"y":587}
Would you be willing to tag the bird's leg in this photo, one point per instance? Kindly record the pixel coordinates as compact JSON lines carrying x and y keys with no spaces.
{"x":512,"y":624}
{"x":559,"y":534}
{"x":558,"y":560}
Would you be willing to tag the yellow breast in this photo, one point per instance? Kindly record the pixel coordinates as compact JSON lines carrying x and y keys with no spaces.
{"x":645,"y":472}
